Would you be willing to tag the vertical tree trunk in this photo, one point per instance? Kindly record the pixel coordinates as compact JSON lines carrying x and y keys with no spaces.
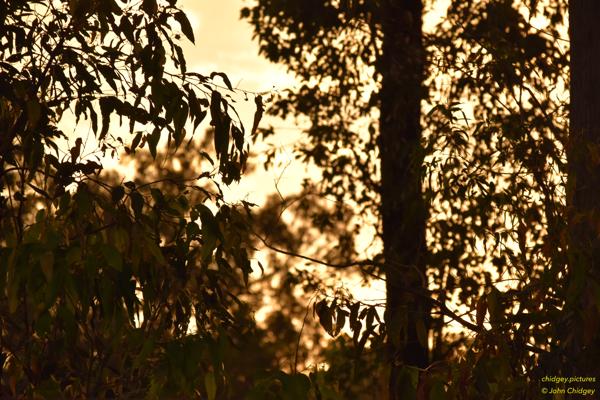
{"x":580,"y":336}
{"x":402,"y":207}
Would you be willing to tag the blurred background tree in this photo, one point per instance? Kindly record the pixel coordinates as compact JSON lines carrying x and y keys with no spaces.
{"x":492,"y":171}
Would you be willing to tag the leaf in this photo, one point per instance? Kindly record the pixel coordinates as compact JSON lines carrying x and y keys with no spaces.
{"x":186,"y":27}
{"x":210,"y":385}
{"x":238,"y":138}
{"x":357,"y":326}
{"x":221,"y":138}
{"x":34,"y":157}
{"x":354,"y":314}
{"x":179,"y":121}
{"x":83,"y":200}
{"x":181,"y":59}
{"x":207,"y":156}
{"x":437,"y":390}
{"x":210,"y":230}
{"x":494,"y":303}
{"x":137,"y":203}
{"x":158,"y":197}
{"x":47,"y":265}
{"x":522,"y":236}
{"x":109,"y":74}
{"x":12,"y":281}
{"x":434,"y":109}
{"x":43,"y":324}
{"x":76,"y":150}
{"x":192,"y":230}
{"x":40,"y":191}
{"x":407,"y":382}
{"x":107,"y":106}
{"x":340,"y":320}
{"x":224,"y":77}
{"x":34,"y":113}
{"x":149,"y":6}
{"x":155,"y":251}
{"x":136,"y":141}
{"x":262,"y":269}
{"x":112,"y":256}
{"x":481,"y":309}
{"x":195,"y":109}
{"x":370,"y":318}
{"x":153,"y":139}
{"x":295,"y":387}
{"x":146,"y":350}
{"x":325,"y":316}
{"x":127,"y":28}
{"x":257,"y":114}
{"x":215,"y":107}
{"x":13,"y":58}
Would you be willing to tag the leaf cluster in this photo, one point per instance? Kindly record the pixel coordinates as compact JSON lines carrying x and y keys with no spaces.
{"x":110,"y":288}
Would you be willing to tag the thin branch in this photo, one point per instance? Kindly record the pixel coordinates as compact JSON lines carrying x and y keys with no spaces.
{"x":350,"y":264}
{"x":455,"y":317}
{"x":295,"y":366}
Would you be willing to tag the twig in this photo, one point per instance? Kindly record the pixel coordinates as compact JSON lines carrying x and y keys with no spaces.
{"x":295,"y":366}
{"x":360,"y":263}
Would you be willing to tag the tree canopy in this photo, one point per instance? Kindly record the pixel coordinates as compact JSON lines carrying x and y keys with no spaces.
{"x":493,"y":170}
{"x":111,"y":288}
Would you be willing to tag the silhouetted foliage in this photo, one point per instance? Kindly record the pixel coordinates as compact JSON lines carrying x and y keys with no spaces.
{"x":112,"y":289}
{"x":494,"y":169}
{"x":454,"y":145}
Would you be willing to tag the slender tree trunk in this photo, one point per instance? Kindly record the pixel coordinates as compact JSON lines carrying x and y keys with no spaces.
{"x":402,"y":207}
{"x":580,"y":334}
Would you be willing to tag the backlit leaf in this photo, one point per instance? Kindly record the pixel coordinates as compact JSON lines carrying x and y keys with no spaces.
{"x":186,"y":27}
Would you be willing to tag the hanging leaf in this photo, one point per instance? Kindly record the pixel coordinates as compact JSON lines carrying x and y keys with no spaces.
{"x":238,"y":137}
{"x":210,"y":230}
{"x":257,"y":114}
{"x":325,"y":316}
{"x":480,"y":310}
{"x":221,"y":138}
{"x":494,"y":302}
{"x":210,"y":385}
{"x":149,"y":6}
{"x":340,"y":320}
{"x":186,"y":27}
{"x":224,"y":77}
{"x":295,"y":387}
{"x":137,"y":203}
{"x":136,"y":141}
{"x":108,"y":104}
{"x":152,"y":140}
{"x":117,"y":193}
{"x":112,"y":256}
{"x":179,"y":121}
{"x":215,"y":107}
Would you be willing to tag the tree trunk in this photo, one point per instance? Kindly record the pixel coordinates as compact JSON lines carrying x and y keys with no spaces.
{"x":403,"y":210}
{"x":580,"y":334}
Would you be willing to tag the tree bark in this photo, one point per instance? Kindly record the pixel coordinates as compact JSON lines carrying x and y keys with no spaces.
{"x":403,"y":211}
{"x":580,"y":333}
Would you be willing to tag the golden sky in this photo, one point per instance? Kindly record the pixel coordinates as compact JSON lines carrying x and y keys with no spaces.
{"x":224,"y":44}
